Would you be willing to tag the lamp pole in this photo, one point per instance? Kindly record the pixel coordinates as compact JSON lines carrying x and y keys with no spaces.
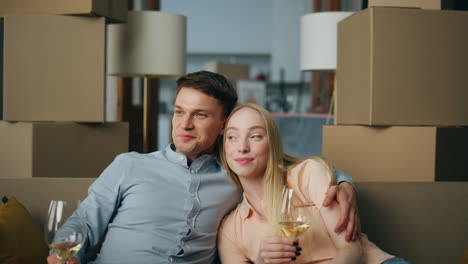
{"x":151,"y":103}
{"x":126,"y":111}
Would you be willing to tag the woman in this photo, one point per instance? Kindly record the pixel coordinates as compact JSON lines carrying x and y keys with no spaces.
{"x":253,"y":155}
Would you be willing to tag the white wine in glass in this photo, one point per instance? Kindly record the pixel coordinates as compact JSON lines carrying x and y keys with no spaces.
{"x":65,"y":242}
{"x":293,"y":214}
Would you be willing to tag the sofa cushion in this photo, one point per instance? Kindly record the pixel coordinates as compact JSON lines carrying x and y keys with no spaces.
{"x":21,"y":238}
{"x":422,"y":222}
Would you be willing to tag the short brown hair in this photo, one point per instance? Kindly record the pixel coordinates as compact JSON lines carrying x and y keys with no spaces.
{"x":212,"y":84}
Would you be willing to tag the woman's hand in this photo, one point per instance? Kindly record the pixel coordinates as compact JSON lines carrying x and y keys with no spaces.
{"x":52,"y":259}
{"x":275,"y":249}
{"x":345,"y":195}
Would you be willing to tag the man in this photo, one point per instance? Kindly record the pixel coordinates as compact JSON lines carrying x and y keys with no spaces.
{"x":166,"y":206}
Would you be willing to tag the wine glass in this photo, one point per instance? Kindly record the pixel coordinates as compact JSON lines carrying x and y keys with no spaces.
{"x":293,"y":214}
{"x":64,"y":242}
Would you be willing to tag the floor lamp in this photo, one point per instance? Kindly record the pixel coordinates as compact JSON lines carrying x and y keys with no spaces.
{"x":151,"y":44}
{"x":318,"y":44}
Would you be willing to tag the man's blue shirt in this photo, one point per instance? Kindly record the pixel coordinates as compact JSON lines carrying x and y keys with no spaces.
{"x":157,"y":209}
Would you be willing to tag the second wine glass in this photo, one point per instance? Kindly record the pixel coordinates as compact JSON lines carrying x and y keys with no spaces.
{"x":293,"y":214}
{"x":64,"y":242}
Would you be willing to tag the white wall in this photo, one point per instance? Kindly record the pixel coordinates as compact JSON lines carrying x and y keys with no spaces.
{"x":225,"y":26}
{"x":285,"y":37}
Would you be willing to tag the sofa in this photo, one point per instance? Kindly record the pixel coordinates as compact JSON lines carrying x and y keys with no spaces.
{"x":424,"y":222}
{"x":34,"y":194}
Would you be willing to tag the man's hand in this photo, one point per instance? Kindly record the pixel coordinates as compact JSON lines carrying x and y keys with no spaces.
{"x":345,"y":195}
{"x":53,"y":259}
{"x":277,"y":250}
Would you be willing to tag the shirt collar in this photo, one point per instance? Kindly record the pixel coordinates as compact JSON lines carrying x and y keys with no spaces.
{"x":174,"y":156}
{"x":181,"y":159}
{"x":247,"y":211}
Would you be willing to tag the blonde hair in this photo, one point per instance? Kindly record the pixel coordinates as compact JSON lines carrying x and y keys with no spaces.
{"x":278,"y":164}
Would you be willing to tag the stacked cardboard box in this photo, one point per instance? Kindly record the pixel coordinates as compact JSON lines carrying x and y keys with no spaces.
{"x":232,"y":71}
{"x":424,"y":4}
{"x":401,"y":90}
{"x":398,"y":153}
{"x":52,"y":120}
{"x":399,"y":126}
{"x":53,"y":68}
{"x":113,"y":10}
{"x":59,"y":149}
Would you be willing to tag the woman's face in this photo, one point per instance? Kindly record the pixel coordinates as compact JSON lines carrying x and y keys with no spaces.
{"x":246,"y":144}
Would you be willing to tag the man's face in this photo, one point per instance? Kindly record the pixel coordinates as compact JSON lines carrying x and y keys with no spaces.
{"x":198,"y":120}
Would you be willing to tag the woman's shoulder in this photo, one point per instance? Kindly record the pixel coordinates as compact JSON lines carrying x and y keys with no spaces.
{"x":311,"y":177}
{"x":232,"y":219}
{"x":313,"y":163}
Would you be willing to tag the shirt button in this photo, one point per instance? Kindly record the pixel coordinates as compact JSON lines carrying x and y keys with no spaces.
{"x":193,"y":195}
{"x":189,"y":221}
{"x":181,"y":158}
{"x":171,"y":259}
{"x":193,"y":171}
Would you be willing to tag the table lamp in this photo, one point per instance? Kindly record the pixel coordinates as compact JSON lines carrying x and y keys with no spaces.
{"x":318,"y":41}
{"x":151,"y":44}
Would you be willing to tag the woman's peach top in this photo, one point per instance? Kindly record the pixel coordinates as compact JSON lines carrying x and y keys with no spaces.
{"x":241,"y":231}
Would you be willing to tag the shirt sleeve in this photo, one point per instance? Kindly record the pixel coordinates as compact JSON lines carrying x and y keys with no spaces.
{"x":312,"y":178}
{"x":341,"y":176}
{"x":99,"y":207}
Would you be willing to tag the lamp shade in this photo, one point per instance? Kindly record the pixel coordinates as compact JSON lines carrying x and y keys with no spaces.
{"x":319,"y":40}
{"x":151,"y":43}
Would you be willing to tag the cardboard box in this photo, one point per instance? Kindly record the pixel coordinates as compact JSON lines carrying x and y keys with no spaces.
{"x":115,"y":10}
{"x":413,"y":154}
{"x":63,"y":149}
{"x":402,"y":66}
{"x":423,"y":4}
{"x":53,"y":68}
{"x":392,"y":213}
{"x":231,"y":71}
